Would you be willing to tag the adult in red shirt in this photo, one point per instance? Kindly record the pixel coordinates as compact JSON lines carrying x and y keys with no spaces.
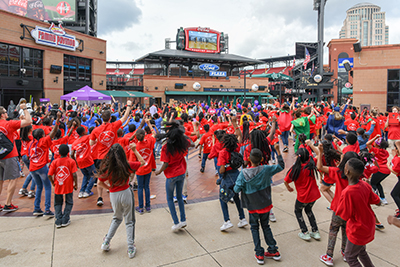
{"x":174,"y":168}
{"x":65,"y":181}
{"x":351,"y":124}
{"x":393,"y":127}
{"x":355,"y":208}
{"x":9,"y":169}
{"x":114,"y":175}
{"x":145,"y":147}
{"x":105,"y":136}
{"x":38,"y":154}
{"x":302,"y":173}
{"x":82,"y":154}
{"x":395,"y":169}
{"x":335,"y":176}
{"x":284,"y":122}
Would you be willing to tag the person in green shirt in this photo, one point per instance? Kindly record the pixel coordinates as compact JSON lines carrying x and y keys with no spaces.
{"x":300,"y":126}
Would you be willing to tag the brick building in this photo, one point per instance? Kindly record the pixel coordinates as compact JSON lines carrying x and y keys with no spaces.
{"x":48,"y":69}
{"x":377,"y":76}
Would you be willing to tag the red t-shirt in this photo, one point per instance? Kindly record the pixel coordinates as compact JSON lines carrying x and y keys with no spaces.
{"x":106,"y":135}
{"x":355,"y":208}
{"x":176,"y":163}
{"x":306,"y":186}
{"x":396,"y":165}
{"x":352,"y":148}
{"x":39,"y":153}
{"x":381,"y":156}
{"x":63,"y":170}
{"x":224,"y":158}
{"x":46,"y":129}
{"x":145,"y":149}
{"x":56,"y":146}
{"x":394,"y":132}
{"x":352,"y":125}
{"x":207,"y":142}
{"x":74,"y":135}
{"x":25,"y":146}
{"x":310,"y":152}
{"x":334,"y":177}
{"x":370,"y":169}
{"x":217,"y":147}
{"x":116,"y":188}
{"x":8,"y":128}
{"x":83,"y":153}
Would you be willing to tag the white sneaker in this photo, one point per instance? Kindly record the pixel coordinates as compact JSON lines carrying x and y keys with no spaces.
{"x":80,"y":195}
{"x":85,"y":194}
{"x":242,"y":223}
{"x":384,"y":201}
{"x":105,"y":246}
{"x":176,"y":227}
{"x":227,"y":225}
{"x":132,"y":252}
{"x":272,"y":217}
{"x":183,"y":224}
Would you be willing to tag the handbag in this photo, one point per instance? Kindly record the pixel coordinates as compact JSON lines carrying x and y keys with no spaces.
{"x":225,"y":192}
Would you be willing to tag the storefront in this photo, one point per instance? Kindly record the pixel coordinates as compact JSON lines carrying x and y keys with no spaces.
{"x":42,"y":60}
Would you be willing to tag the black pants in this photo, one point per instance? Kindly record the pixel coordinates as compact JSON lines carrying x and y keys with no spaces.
{"x":376,"y":180}
{"x":298,"y":210}
{"x":396,"y":193}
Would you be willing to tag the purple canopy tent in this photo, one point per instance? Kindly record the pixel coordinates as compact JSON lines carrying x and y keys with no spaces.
{"x":86,"y":94}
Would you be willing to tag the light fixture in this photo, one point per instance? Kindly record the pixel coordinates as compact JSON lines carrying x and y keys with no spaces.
{"x":56,"y":80}
{"x":101,"y":83}
{"x":101,"y":52}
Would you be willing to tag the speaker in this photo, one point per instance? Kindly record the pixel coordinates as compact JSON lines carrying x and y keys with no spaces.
{"x":347,"y":66}
{"x":357,"y":47}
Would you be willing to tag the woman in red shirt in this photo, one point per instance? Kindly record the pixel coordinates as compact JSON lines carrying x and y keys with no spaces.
{"x":378,"y":146}
{"x":114,"y":175}
{"x":303,"y":174}
{"x":395,"y":169}
{"x":174,"y":168}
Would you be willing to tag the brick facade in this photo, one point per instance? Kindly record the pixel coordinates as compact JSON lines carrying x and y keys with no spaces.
{"x":11,"y":31}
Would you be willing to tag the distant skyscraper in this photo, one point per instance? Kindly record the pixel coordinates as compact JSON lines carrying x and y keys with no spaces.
{"x":366,"y":22}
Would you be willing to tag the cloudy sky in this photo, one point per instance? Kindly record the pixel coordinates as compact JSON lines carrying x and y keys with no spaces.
{"x":256,"y":28}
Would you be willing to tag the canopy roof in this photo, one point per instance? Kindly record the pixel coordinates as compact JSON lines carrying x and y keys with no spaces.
{"x":86,"y":94}
{"x":181,"y":56}
{"x":117,"y":93}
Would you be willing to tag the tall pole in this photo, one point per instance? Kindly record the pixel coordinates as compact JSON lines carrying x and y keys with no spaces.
{"x":245,"y":72}
{"x":321,"y":12}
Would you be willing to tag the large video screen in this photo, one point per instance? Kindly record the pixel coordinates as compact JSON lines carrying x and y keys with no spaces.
{"x":202,"y":40}
{"x":55,"y":10}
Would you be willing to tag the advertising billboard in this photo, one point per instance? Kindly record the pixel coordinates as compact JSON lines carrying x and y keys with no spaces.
{"x":55,"y":10}
{"x":203,"y":40}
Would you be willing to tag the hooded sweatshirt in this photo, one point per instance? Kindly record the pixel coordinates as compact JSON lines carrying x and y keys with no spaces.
{"x":255,"y":184}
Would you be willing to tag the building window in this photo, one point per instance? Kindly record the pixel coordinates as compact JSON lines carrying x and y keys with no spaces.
{"x":393,"y":88}
{"x":77,"y":69}
{"x":14,"y":58}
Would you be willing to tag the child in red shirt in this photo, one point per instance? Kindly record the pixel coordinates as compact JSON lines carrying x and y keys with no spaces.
{"x":206,"y":144}
{"x":395,"y":169}
{"x":65,"y":181}
{"x":114,"y":175}
{"x":354,"y":207}
{"x":352,"y":144}
{"x":302,"y":173}
{"x":335,"y":176}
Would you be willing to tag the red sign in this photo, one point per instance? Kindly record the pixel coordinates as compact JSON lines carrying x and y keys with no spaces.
{"x":146,"y":98}
{"x":347,"y":85}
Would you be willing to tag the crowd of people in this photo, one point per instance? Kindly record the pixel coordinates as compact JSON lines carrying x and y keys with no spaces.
{"x":115,"y":146}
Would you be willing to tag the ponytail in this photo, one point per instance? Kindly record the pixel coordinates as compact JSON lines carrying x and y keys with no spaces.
{"x":302,"y":156}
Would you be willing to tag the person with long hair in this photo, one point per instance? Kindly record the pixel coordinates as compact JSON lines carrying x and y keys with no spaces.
{"x":38,"y":154}
{"x":395,"y":169}
{"x":174,"y":167}
{"x":303,"y":173}
{"x":378,"y":146}
{"x":336,"y":175}
{"x":114,"y":175}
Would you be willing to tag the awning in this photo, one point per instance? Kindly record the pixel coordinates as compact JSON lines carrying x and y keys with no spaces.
{"x":117,"y":93}
{"x":216,"y":93}
{"x":347,"y":91}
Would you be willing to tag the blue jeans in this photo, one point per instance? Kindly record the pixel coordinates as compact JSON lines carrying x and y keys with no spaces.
{"x":170,"y":184}
{"x":285,"y":138}
{"x":144,"y":183}
{"x":273,"y":152}
{"x":88,"y":180}
{"x":204,"y":159}
{"x":28,"y":178}
{"x":255,"y":220}
{"x":63,"y":217}
{"x":158,"y":146}
{"x":41,"y":179}
{"x":229,"y":179}
{"x":216,"y":165}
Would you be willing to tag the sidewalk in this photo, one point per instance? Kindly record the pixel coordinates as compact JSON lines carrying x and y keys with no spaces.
{"x":31,"y":241}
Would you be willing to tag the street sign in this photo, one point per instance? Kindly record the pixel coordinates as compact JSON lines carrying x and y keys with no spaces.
{"x":217,"y":73}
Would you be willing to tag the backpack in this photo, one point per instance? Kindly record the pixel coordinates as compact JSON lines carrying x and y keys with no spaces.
{"x":6,"y":146}
{"x":236,"y":160}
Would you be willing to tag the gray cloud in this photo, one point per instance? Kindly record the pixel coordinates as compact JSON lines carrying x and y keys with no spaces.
{"x":117,"y":15}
